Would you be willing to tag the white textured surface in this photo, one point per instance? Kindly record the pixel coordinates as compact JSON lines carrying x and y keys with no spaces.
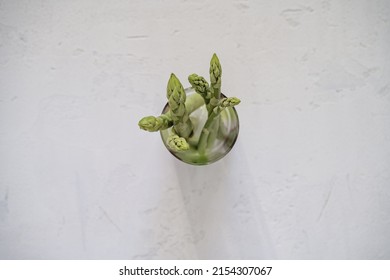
{"x":308,"y":178}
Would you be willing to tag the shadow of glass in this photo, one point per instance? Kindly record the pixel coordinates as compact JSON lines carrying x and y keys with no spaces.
{"x":223,"y":209}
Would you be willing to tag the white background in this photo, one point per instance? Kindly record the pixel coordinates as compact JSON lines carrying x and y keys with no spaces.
{"x":309,"y":177}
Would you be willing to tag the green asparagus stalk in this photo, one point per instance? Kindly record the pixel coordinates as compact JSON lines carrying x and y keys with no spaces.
{"x":164,"y":121}
{"x":202,"y":144}
{"x":176,"y":100}
{"x":177,"y":144}
{"x":226,"y":102}
{"x":207,"y":136}
{"x":201,"y":86}
{"x":214,"y":129}
{"x":215,"y":82}
{"x":152,"y":123}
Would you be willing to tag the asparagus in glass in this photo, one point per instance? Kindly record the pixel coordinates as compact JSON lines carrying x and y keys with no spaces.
{"x":177,"y":119}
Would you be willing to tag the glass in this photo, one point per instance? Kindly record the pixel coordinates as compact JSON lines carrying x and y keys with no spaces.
{"x":226,"y":135}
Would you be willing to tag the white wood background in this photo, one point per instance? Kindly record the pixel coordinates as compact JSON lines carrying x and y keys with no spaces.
{"x":309,"y":177}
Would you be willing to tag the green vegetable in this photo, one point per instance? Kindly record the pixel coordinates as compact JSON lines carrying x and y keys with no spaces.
{"x":152,"y":123}
{"x":215,"y":76}
{"x":178,"y":119}
{"x":177,"y":144}
{"x":201,"y":86}
{"x":176,"y":100}
{"x":215,"y":82}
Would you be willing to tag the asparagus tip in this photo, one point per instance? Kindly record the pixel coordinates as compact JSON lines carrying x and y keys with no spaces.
{"x":177,"y":144}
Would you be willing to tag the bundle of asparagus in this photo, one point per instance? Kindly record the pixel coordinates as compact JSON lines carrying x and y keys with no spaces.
{"x":181,"y":137}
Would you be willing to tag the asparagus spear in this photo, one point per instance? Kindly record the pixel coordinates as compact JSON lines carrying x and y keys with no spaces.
{"x":201,"y":86}
{"x":176,"y":100}
{"x":226,"y":102}
{"x":164,"y":121}
{"x":215,"y":82}
{"x":152,"y":123}
{"x":207,"y":137}
{"x":177,"y":144}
